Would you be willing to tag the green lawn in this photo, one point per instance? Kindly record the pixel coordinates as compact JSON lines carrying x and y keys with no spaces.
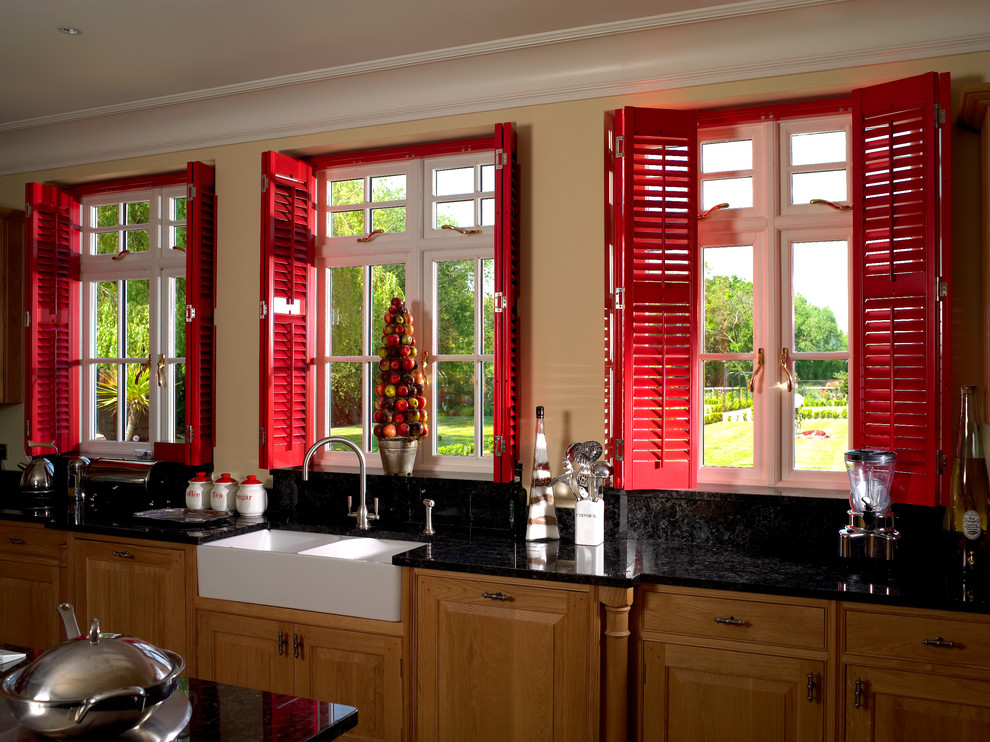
{"x":730,"y":444}
{"x":456,"y":435}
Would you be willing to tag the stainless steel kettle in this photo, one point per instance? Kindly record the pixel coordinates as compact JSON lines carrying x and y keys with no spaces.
{"x":39,"y":473}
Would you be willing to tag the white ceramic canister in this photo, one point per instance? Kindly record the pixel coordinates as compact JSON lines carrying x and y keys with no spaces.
{"x":198,"y":491}
{"x":251,"y":497}
{"x":224,"y":495}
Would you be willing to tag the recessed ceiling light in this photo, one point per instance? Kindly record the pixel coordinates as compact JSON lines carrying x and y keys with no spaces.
{"x":70,"y":30}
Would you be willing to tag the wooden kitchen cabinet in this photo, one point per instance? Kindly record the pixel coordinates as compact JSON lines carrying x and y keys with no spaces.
{"x":11,"y":306}
{"x":32,"y":584}
{"x":356,"y":668}
{"x":135,"y":587}
{"x":505,"y":659}
{"x":724,"y":667}
{"x":914,"y":675}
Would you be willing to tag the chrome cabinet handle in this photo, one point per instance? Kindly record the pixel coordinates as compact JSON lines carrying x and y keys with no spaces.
{"x":123,"y":554}
{"x":858,"y":694}
{"x":496,"y":596}
{"x":811,"y":687}
{"x":938,"y":642}
{"x":296,"y":645}
{"x":16,"y":541}
{"x":730,"y":621}
{"x":282,"y":641}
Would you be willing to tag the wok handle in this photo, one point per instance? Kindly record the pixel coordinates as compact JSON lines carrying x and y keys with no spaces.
{"x":68,"y":616}
{"x":98,"y":698}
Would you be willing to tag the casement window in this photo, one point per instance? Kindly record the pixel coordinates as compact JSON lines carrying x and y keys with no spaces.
{"x":119,"y":317}
{"x":432,"y":224}
{"x":780,"y":271}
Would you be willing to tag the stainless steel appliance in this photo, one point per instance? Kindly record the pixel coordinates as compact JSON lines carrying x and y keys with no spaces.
{"x":118,"y":486}
{"x":870,"y":532}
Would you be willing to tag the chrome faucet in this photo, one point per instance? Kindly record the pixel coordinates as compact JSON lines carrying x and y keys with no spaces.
{"x":361,"y":514}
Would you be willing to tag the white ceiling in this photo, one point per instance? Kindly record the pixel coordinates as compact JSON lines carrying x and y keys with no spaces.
{"x":132,"y":50}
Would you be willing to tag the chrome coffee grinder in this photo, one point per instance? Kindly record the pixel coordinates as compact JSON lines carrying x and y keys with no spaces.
{"x":871,"y":531}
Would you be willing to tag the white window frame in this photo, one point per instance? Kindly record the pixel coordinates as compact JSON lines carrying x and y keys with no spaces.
{"x":159,"y":265}
{"x":771,"y":227}
{"x":419,"y":247}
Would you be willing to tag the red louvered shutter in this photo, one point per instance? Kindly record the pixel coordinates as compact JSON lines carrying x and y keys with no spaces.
{"x":901,"y":334}
{"x":287,"y":323}
{"x":506,"y":286}
{"x":652,"y":300}
{"x":51,"y":277}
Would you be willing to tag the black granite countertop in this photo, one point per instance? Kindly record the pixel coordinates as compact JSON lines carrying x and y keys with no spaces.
{"x":204,"y":711}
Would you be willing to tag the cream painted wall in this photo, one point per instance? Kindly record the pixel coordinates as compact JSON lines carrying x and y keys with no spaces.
{"x":561,"y":153}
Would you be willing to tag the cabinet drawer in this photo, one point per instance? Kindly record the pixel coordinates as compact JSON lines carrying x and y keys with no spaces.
{"x":716,"y":617}
{"x":31,"y":540}
{"x":931,"y":638}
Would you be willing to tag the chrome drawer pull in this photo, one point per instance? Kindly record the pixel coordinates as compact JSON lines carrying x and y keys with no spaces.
{"x":15,"y":541}
{"x":938,"y":642}
{"x":730,"y":621}
{"x":123,"y":554}
{"x":496,"y":596}
{"x":811,"y":687}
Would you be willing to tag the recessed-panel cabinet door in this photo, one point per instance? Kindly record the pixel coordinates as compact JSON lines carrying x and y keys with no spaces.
{"x":712,"y":695}
{"x":240,"y":650}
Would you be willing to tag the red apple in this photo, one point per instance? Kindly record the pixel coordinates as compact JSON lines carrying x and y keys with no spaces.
{"x":392,"y":340}
{"x":421,"y":401}
{"x":403,"y":429}
{"x":397,"y":302}
{"x":413,"y":402}
{"x":405,"y":350}
{"x":401,"y":404}
{"x":394,"y":378}
{"x":380,"y":390}
{"x":388,"y":329}
{"x":398,"y":418}
{"x":389,"y":318}
{"x":388,"y":431}
{"x":408,"y":364}
{"x":416,"y":429}
{"x":383,"y":364}
{"x":394,"y":364}
{"x":412,"y":416}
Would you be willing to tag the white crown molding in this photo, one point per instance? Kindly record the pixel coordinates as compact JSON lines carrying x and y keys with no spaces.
{"x":667,"y":20}
{"x":614,"y":64}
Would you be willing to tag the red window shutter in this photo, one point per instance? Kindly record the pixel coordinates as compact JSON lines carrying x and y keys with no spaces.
{"x":901,"y":242}
{"x":201,"y":269}
{"x":651,"y":330}
{"x":506,"y":285}
{"x":51,"y":276}
{"x":287,"y":323}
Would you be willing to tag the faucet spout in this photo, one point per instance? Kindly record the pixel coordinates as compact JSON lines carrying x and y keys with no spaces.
{"x":361,"y":514}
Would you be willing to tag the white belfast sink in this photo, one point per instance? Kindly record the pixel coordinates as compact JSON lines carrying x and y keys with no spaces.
{"x":346,"y":575}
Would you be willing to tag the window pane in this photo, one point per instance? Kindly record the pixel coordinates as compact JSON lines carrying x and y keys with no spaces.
{"x":721,"y":157}
{"x":177,"y":209}
{"x":107,"y":216}
{"x":818,"y":147}
{"x":454,"y":419}
{"x":488,"y":408}
{"x":138,"y":389}
{"x":728,"y":299}
{"x":455,"y":307}
{"x":487,"y":178}
{"x":455,"y":213}
{"x":346,"y":414}
{"x":827,"y":184}
{"x":344,"y":192}
{"x":346,"y":305}
{"x":178,"y":402}
{"x":387,"y":283}
{"x":106,"y":319}
{"x":346,"y":223}
{"x":819,"y":281}
{"x":137,"y":318}
{"x":179,"y":340}
{"x":108,"y":243}
{"x":488,"y":306}
{"x":388,"y":188}
{"x":821,"y":415}
{"x":389,"y":220}
{"x":138,"y":212}
{"x":737,"y":192}
{"x":106,"y":402}
{"x":487,"y":212}
{"x":727,"y":434}
{"x":453,"y":181}
{"x":178,"y":238}
{"x":137,"y":240}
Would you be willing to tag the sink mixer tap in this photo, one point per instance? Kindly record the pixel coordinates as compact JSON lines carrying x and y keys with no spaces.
{"x":361,"y":514}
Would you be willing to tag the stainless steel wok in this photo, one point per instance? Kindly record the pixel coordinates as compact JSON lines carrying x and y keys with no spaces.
{"x":96,"y":682}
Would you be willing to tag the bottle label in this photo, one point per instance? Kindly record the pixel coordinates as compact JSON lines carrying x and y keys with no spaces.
{"x":971,"y":526}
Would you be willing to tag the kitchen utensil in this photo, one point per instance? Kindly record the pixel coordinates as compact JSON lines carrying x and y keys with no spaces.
{"x":100,"y":682}
{"x":39,"y":474}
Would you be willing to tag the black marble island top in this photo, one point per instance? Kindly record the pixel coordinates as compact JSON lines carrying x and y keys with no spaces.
{"x":204,"y":711}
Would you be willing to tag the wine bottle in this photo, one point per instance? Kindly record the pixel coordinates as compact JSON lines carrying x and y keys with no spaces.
{"x":969,"y":489}
{"x":542,"y":521}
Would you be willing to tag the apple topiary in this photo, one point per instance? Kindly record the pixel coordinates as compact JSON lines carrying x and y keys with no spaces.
{"x":400,"y":404}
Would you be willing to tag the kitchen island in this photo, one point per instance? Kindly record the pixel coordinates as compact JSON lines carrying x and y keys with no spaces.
{"x":204,"y":711}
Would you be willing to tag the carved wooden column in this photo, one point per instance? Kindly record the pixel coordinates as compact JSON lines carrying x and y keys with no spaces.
{"x":615,"y":671}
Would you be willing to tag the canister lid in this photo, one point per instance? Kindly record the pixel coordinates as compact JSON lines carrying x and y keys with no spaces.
{"x":225,"y":478}
{"x":200,"y":477}
{"x":252,"y":479}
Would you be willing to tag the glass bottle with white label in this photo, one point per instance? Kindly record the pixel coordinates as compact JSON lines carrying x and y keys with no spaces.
{"x":966,"y":516}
